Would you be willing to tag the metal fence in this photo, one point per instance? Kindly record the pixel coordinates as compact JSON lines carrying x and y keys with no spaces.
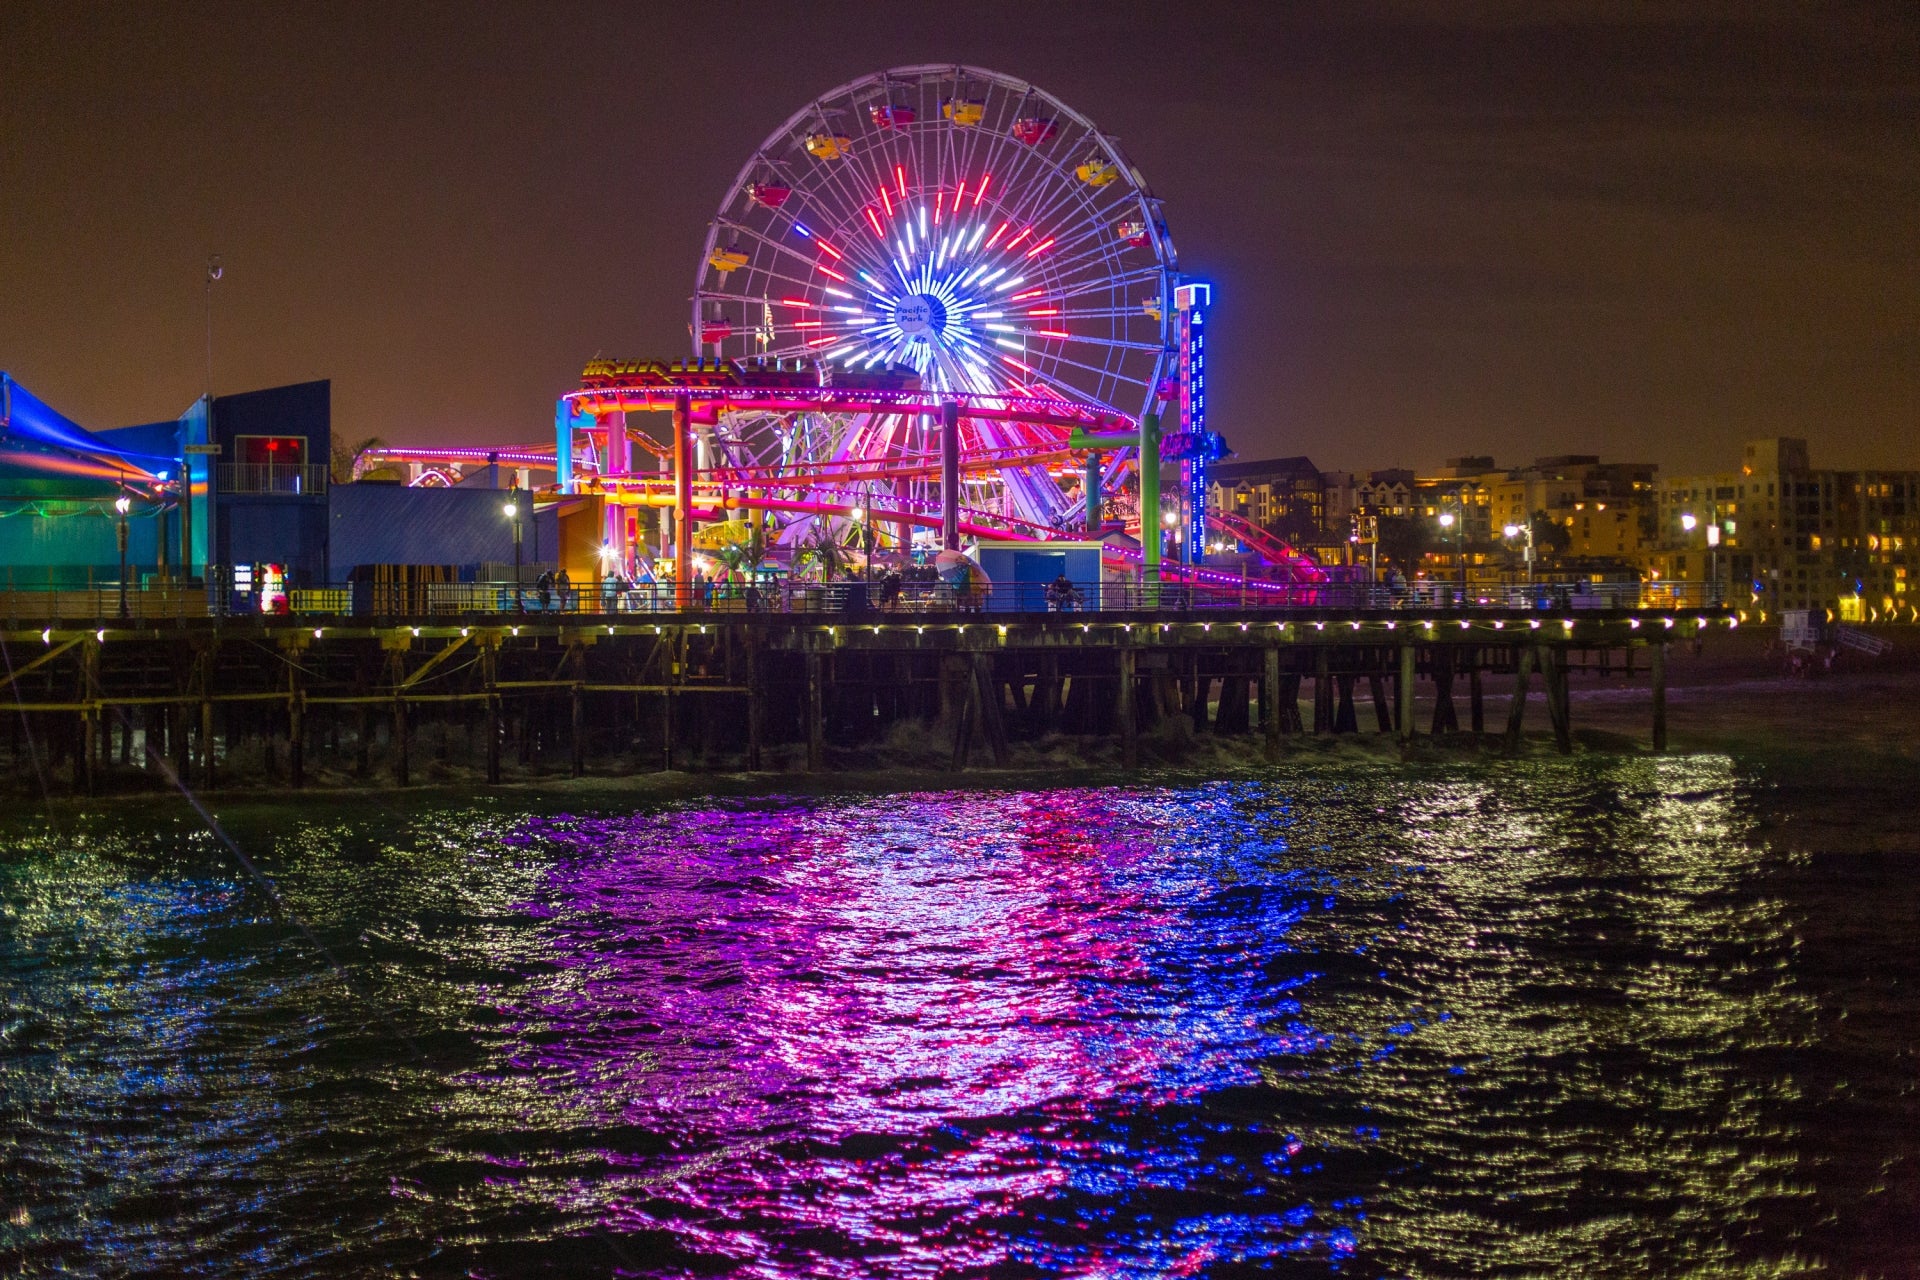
{"x":273,"y":477}
{"x":102,"y":603}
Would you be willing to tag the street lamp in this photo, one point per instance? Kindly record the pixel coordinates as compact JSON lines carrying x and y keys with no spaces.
{"x":121,"y":505}
{"x":1514,"y":531}
{"x":511,"y":510}
{"x":1448,"y":521}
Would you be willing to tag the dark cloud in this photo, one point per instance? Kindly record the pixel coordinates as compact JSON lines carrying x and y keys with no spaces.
{"x":1647,"y":231}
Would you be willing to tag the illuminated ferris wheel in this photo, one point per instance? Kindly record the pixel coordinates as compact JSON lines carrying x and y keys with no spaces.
{"x":954,"y":222}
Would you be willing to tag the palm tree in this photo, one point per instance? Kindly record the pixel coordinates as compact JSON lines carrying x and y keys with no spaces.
{"x":343,"y":455}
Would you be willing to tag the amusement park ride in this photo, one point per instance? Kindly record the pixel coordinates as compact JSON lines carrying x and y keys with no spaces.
{"x":936,"y":299}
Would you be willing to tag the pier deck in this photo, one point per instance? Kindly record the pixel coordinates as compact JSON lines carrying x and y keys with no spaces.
{"x":583,"y":693}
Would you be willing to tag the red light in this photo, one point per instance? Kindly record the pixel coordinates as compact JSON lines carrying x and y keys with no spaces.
{"x":1053,"y":333}
{"x":795,"y":302}
{"x":806,"y":324}
{"x":997,"y":233}
{"x":830,"y":271}
{"x":886,"y":201}
{"x":939,"y":203}
{"x":981,"y":190}
{"x":1022,"y":236}
{"x":1042,"y":247}
{"x":1030,"y":293}
{"x":873,"y":220}
{"x":900,"y":176}
{"x":1016,"y":364}
{"x":959,"y":193}
{"x":1044,"y":311}
{"x":835,"y":253}
{"x":821,"y":342}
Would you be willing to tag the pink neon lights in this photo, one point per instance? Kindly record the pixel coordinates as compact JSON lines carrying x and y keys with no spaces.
{"x":1044,"y":311}
{"x":1042,"y":247}
{"x":873,"y":220}
{"x":795,"y":302}
{"x":1022,"y":236}
{"x":900,"y":176}
{"x":939,"y":203}
{"x":997,"y":233}
{"x":830,"y":271}
{"x":886,"y":201}
{"x":821,"y":342}
{"x":981,"y":190}
{"x":836,"y":253}
{"x":1016,"y":364}
{"x":1053,"y":333}
{"x":959,"y":194}
{"x":1025,"y":294}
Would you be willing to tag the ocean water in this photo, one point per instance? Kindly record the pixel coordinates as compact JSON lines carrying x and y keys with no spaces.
{"x":1599,"y":1017}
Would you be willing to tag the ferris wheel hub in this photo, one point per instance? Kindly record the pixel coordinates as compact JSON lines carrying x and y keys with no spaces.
{"x":921,"y":316}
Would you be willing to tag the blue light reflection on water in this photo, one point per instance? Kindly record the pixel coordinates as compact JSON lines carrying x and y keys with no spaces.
{"x":1547,"y":1021}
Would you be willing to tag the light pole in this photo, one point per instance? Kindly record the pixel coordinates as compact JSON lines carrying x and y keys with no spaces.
{"x":1514,"y":531}
{"x":1449,"y":521}
{"x":511,"y":510}
{"x":1688,"y":524}
{"x":121,"y":505}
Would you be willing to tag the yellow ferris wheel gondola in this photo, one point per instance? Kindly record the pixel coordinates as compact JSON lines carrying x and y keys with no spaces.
{"x":729,"y":258}
{"x":828,"y":146}
{"x":1098,"y":171}
{"x":965,"y":112}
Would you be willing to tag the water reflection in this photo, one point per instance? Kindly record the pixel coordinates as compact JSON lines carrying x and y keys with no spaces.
{"x":1535,"y":1019}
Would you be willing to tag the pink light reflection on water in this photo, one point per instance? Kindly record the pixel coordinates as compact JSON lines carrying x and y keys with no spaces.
{"x":807,"y":999}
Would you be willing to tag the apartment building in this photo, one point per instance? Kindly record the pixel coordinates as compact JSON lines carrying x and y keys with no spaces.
{"x":1790,"y":536}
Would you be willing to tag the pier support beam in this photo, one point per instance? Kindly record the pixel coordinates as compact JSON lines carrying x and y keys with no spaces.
{"x":489,"y":677}
{"x":1270,"y":699}
{"x":1553,"y":663}
{"x":1475,"y":695}
{"x":816,"y":727}
{"x":1517,"y":710}
{"x":296,"y":729}
{"x":1407,"y":671}
{"x":1123,"y":711}
{"x":1322,"y":692}
{"x":756,"y":707}
{"x":1658,"y":670}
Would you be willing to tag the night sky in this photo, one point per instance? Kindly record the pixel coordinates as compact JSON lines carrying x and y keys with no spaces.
{"x":1642,"y":231}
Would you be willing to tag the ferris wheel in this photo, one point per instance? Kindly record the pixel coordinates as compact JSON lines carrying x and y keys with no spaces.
{"x":955,"y":223}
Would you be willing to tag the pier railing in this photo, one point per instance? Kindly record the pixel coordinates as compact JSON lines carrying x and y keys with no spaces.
{"x":103,"y":603}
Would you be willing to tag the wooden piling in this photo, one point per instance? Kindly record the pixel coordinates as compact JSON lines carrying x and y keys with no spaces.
{"x":1476,"y":703}
{"x":296,"y":729}
{"x":1407,"y":671}
{"x":816,"y":727}
{"x":1516,"y":712}
{"x":1554,"y":664}
{"x":1657,"y":669}
{"x":1270,"y":697}
{"x":1123,"y":710}
{"x":1322,"y":692}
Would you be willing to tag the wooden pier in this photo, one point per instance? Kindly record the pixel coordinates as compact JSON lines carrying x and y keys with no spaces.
{"x":93,"y":708}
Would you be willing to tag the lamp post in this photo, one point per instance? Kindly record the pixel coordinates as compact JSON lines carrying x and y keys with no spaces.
{"x":1687,"y":525}
{"x":121,"y":505}
{"x":1449,"y":521}
{"x":511,"y":509}
{"x":1514,"y":531}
